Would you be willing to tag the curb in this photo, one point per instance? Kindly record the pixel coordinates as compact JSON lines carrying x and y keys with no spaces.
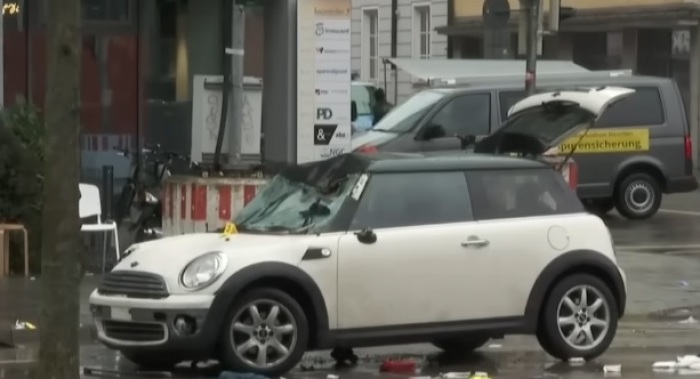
{"x":87,"y":334}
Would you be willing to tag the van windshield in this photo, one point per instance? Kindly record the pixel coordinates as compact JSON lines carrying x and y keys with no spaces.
{"x":404,"y":117}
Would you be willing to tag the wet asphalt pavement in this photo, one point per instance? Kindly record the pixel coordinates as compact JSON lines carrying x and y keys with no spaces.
{"x":661,"y":257}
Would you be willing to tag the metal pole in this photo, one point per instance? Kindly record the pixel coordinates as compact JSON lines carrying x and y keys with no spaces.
{"x":533,"y":9}
{"x":238,"y":52}
{"x":2,"y":58}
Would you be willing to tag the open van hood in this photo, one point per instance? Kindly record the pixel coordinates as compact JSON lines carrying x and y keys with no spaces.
{"x":543,"y":121}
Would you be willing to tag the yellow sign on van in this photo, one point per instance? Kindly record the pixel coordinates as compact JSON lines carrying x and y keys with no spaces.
{"x":608,"y":141}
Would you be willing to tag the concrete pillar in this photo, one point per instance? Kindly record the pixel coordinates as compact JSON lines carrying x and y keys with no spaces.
{"x":279,"y":109}
{"x":203,"y":40}
{"x":629,"y":49}
{"x":695,"y":90}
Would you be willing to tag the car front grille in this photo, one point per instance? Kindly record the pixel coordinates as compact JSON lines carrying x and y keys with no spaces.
{"x":134,"y":284}
{"x":134,"y":331}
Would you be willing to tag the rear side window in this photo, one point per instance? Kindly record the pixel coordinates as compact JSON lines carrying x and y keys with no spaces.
{"x":520,"y":193}
{"x":408,"y":199}
{"x":642,"y":108}
{"x":507,"y":99}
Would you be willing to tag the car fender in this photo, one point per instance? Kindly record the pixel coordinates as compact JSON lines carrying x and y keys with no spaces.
{"x":235,"y":284}
{"x":638,"y":160}
{"x":570,"y":262}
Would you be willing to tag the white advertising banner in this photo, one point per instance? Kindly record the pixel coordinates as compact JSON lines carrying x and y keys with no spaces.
{"x":323,"y":79}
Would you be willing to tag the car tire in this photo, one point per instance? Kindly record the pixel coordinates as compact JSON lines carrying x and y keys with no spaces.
{"x":563,"y":316}
{"x":599,"y":206}
{"x":638,"y":196}
{"x":251,"y":325}
{"x":462,"y":345}
{"x":151,"y":361}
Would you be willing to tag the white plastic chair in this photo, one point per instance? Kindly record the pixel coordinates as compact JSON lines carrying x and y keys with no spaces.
{"x":91,"y":205}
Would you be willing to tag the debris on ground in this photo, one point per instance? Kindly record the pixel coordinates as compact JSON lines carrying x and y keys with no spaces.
{"x":331,"y":376}
{"x":577,"y":361}
{"x":480,"y":375}
{"x":240,"y":375}
{"x":344,"y":356}
{"x":609,"y":369}
{"x":398,"y":366}
{"x":689,"y":320}
{"x":683,"y":362}
{"x":456,"y":375}
{"x":23,"y":325}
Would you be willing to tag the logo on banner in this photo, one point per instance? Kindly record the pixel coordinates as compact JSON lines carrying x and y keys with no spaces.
{"x":324,"y":113}
{"x":323,"y":92}
{"x":323,"y":133}
{"x":321,"y":29}
{"x":325,"y":50}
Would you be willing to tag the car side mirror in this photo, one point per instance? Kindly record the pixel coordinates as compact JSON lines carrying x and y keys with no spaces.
{"x":433,"y":131}
{"x":353,"y":111}
{"x":366,"y":236}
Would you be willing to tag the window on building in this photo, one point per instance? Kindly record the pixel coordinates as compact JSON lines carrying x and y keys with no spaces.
{"x":421,"y":31}
{"x":106,"y":10}
{"x":370,"y":44}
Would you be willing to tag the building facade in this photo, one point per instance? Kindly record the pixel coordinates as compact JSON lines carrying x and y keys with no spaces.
{"x":139,"y":58}
{"x":415,"y":38}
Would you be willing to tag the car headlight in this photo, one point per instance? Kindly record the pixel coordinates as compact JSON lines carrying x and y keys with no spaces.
{"x":203,"y":271}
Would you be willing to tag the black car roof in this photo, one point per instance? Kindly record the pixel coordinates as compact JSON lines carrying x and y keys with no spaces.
{"x":450,"y":162}
{"x":324,"y":174}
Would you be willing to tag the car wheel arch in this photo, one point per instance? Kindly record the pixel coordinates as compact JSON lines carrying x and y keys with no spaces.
{"x":285,"y":277}
{"x":647,"y":165}
{"x":577,"y":261}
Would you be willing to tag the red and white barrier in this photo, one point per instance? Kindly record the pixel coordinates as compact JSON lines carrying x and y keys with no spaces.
{"x":196,"y":205}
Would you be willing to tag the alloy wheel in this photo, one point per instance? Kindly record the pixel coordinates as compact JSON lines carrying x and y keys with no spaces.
{"x":583,"y":317}
{"x":263,"y":333}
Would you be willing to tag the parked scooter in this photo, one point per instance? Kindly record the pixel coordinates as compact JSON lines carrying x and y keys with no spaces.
{"x":143,"y":197}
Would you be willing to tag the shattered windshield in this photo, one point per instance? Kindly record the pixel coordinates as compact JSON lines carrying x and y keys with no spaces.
{"x":291,"y":206}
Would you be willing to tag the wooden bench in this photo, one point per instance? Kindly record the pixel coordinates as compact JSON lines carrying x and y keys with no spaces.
{"x":5,"y":230}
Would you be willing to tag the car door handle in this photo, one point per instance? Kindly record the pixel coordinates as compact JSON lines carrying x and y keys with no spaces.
{"x":475,"y":241}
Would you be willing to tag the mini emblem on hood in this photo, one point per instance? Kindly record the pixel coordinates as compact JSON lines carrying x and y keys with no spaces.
{"x":134,"y":264}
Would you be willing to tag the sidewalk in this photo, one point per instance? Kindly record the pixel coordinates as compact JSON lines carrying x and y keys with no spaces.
{"x":657,"y":283}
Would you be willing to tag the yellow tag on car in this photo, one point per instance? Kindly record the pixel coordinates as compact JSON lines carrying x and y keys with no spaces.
{"x":229,"y":229}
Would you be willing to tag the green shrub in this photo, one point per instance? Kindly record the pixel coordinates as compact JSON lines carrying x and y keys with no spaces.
{"x":21,"y":182}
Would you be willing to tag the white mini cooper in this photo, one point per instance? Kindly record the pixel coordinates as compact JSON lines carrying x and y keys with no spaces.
{"x":379,"y":249}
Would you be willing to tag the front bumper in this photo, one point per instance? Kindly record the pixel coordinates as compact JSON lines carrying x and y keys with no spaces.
{"x":125,"y":323}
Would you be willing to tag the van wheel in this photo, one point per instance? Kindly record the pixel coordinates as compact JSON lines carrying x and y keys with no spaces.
{"x":266,"y":333}
{"x":638,"y":196}
{"x":599,"y":206}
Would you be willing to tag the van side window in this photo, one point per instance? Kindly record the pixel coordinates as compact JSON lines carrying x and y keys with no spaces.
{"x":639,"y":109}
{"x":466,"y":115}
{"x":506,"y":100}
